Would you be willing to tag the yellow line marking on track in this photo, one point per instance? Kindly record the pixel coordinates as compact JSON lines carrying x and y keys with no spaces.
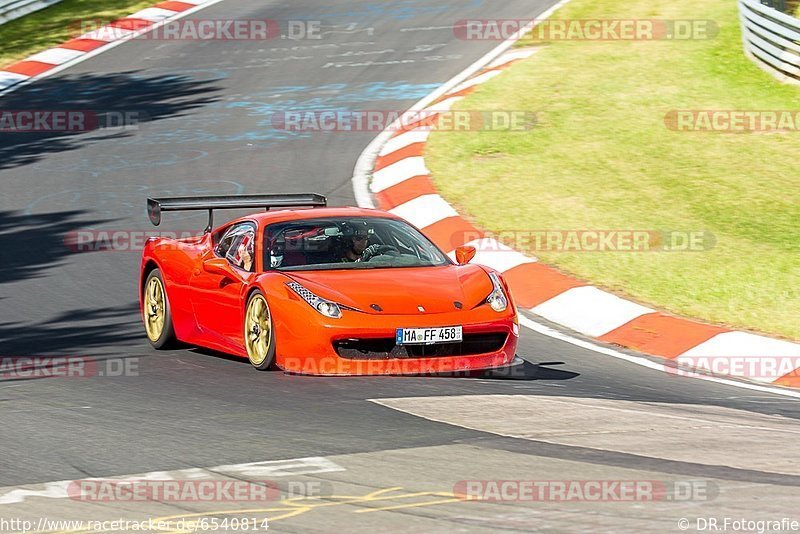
{"x":412,"y":505}
{"x":294,"y":507}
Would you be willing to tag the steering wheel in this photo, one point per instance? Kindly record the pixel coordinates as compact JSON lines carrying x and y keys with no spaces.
{"x":379,"y":250}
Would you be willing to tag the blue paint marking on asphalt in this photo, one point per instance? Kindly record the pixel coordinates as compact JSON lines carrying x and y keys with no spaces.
{"x":261,"y":106}
{"x":329,"y":97}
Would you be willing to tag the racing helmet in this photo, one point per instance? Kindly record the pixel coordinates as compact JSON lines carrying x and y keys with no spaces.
{"x":355,"y":229}
{"x":277,"y":249}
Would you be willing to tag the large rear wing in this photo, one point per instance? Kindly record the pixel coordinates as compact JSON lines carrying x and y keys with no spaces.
{"x":210,"y":203}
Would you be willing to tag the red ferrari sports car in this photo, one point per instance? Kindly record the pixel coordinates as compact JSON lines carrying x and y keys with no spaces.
{"x":328,"y":291}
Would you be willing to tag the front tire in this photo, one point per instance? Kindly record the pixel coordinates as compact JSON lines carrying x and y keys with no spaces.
{"x":259,"y":334}
{"x":156,"y":312}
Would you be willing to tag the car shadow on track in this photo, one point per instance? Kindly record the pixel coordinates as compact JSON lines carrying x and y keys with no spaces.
{"x":523,"y":370}
{"x":71,"y":335}
{"x":31,"y":244}
{"x":71,"y":111}
{"x":530,"y":371}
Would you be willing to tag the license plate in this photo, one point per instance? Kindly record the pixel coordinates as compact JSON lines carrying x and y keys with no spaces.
{"x":429,"y":336}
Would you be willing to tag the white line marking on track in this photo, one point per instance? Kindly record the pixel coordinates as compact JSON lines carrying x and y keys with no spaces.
{"x":270,"y":468}
{"x":10,"y":78}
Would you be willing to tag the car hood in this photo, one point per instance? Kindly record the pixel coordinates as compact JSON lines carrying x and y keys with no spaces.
{"x":401,"y":291}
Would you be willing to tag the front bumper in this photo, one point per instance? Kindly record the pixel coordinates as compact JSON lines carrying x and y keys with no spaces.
{"x":305,"y":341}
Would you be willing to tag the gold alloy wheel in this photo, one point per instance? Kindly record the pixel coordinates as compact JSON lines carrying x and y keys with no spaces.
{"x":258,"y":329}
{"x":155,"y":309}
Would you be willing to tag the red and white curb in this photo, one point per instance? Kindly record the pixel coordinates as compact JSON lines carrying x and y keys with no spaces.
{"x":401,"y":183}
{"x":75,"y":50}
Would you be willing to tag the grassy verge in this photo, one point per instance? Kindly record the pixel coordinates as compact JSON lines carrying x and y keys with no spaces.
{"x":58,"y":23}
{"x":601,"y":157}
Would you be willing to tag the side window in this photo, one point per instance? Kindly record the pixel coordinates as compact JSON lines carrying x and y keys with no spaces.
{"x":237,"y":245}
{"x":224,"y":242}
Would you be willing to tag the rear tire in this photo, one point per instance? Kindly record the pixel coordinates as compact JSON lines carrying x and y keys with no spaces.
{"x":259,"y":334}
{"x":156,"y":312}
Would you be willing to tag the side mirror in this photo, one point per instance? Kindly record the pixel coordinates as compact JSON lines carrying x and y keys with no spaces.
{"x":465,"y":254}
{"x":218,"y":266}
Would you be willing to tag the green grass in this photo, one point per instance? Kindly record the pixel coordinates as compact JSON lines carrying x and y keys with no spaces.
{"x":602,"y":158}
{"x":58,"y":23}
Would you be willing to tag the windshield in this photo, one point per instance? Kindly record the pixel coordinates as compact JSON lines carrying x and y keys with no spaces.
{"x":347,"y":243}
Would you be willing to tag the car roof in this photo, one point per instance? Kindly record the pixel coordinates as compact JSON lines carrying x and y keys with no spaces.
{"x":275,"y":216}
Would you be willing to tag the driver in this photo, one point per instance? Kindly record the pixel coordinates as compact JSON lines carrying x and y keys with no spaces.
{"x":277,"y":251}
{"x":356,"y":238}
{"x":355,"y":242}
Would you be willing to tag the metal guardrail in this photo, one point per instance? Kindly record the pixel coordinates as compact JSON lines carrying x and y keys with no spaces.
{"x":12,"y":9}
{"x":780,"y":5}
{"x":771,"y":38}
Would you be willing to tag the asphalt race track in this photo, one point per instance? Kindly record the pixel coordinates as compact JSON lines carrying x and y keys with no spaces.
{"x":574,"y":414}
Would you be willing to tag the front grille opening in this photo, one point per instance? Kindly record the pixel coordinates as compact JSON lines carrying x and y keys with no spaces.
{"x":386,"y":349}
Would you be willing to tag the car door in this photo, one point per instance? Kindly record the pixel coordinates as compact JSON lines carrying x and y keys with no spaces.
{"x":219,"y":283}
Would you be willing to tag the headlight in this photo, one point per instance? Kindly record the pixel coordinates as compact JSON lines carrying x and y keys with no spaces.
{"x":325,"y":307}
{"x":497,"y":298}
